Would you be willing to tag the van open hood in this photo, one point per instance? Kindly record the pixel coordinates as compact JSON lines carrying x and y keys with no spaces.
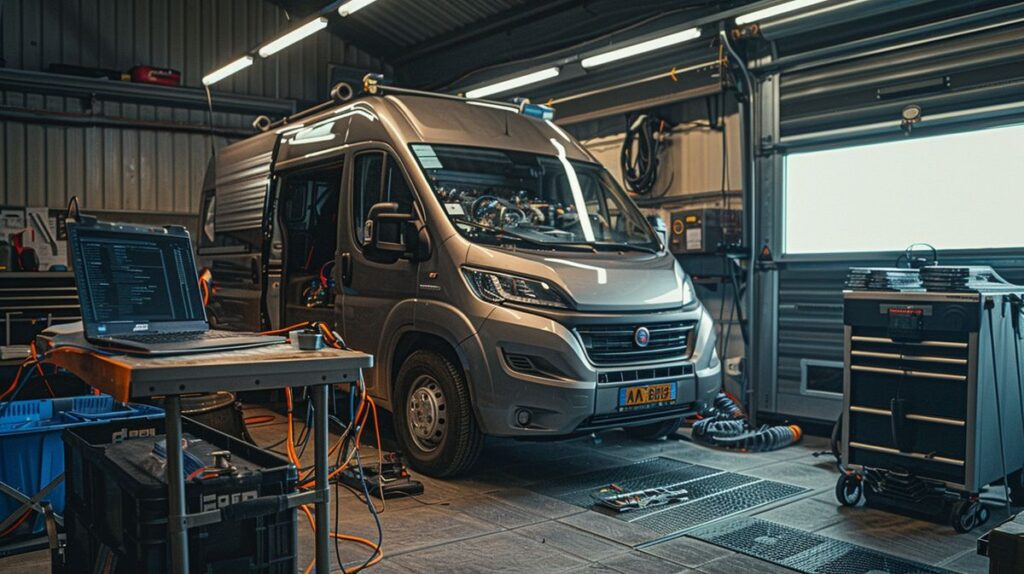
{"x":595,"y":282}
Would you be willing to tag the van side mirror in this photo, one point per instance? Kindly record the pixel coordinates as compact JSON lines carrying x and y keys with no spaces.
{"x":389,"y":235}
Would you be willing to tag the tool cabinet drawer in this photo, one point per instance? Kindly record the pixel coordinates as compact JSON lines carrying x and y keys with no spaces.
{"x":924,"y":435}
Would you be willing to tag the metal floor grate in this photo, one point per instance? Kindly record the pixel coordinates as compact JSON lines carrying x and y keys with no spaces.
{"x":678,"y":518}
{"x":714,"y":493}
{"x":693,"y":475}
{"x":804,"y":551}
{"x":557,"y":488}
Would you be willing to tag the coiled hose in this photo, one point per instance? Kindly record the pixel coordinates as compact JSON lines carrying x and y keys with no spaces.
{"x":640,"y":149}
{"x":726,"y":426}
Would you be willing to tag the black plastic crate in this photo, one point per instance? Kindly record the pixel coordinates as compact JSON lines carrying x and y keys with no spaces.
{"x":117,"y":509}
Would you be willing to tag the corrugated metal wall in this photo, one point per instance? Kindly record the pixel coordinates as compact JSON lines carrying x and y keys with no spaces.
{"x":142,"y":169}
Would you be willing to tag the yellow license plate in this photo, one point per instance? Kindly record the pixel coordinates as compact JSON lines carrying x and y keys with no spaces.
{"x":647,"y":395}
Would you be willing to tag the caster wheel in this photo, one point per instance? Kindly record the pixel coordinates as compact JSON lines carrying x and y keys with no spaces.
{"x":849,"y":489}
{"x":964,"y":516}
{"x":983,"y":514}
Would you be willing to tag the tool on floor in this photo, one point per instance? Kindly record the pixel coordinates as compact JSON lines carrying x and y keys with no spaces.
{"x":618,"y":499}
{"x":386,"y":481}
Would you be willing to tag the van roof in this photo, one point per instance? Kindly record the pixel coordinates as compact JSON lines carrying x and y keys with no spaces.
{"x":404,"y":119}
{"x":480,"y":124}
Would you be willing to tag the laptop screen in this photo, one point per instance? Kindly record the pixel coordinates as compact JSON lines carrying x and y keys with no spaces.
{"x":135,"y":280}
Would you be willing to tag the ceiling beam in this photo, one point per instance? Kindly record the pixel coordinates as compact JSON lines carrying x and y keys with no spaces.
{"x":499,"y":22}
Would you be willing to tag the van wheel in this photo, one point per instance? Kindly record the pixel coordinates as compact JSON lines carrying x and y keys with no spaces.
{"x":654,"y":431}
{"x":435,"y":421}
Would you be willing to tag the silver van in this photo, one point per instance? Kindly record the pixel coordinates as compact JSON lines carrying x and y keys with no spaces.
{"x":503,"y":280}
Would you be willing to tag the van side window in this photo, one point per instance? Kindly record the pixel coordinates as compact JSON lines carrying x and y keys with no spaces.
{"x":378,"y":178}
{"x":396,"y":188}
{"x":366,"y":188}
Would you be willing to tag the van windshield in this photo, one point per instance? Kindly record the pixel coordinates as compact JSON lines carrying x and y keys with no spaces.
{"x":502,"y":197}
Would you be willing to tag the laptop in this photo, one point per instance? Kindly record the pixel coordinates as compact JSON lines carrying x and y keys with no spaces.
{"x":139,"y":291}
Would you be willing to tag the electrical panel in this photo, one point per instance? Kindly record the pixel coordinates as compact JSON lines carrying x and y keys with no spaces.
{"x":705,"y":231}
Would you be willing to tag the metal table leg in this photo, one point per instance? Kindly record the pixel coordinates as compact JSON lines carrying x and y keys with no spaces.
{"x":323,"y":512}
{"x":177,"y":529}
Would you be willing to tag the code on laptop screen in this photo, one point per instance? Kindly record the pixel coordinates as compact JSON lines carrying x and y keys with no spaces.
{"x":135,"y":278}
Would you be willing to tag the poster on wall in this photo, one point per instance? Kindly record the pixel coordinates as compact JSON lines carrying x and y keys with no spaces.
{"x":38,"y":229}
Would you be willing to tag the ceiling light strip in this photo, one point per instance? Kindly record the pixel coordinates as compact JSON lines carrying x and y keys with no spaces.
{"x":350,"y":7}
{"x":221,"y":73}
{"x":641,"y":48}
{"x":777,"y":10}
{"x":307,"y":29}
{"x":513,"y":83}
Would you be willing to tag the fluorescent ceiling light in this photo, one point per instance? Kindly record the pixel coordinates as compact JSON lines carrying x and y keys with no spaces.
{"x":641,"y":48}
{"x":513,"y":83}
{"x":218,"y":75}
{"x":776,"y":10}
{"x":307,"y":29}
{"x":351,"y":6}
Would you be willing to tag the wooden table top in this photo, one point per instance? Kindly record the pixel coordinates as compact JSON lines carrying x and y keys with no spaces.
{"x":272,"y":367}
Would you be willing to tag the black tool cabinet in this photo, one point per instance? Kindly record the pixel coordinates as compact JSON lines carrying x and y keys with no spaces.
{"x":932,"y":403}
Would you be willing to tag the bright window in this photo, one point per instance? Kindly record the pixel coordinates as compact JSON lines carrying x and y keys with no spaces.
{"x":959,"y":191}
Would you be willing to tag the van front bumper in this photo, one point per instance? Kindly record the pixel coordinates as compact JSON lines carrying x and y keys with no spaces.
{"x":564,"y":393}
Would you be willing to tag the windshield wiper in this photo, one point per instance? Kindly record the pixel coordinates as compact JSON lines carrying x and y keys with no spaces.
{"x":526,"y":239}
{"x":624,"y":247}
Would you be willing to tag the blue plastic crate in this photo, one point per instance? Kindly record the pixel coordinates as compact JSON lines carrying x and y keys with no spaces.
{"x":31,"y":449}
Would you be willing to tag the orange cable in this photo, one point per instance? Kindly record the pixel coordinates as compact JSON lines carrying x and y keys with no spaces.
{"x":13,"y":527}
{"x":286,"y":329}
{"x":362,"y":414}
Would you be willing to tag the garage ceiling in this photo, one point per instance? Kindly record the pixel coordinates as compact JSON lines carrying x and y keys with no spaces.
{"x":434,"y":44}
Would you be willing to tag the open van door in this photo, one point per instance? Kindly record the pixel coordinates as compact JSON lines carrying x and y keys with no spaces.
{"x":236,"y":231}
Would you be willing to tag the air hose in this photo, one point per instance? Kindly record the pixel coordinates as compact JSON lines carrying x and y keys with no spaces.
{"x":640,"y":149}
{"x":726,"y":426}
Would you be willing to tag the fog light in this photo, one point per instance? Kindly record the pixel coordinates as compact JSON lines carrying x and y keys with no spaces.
{"x":523,"y":417}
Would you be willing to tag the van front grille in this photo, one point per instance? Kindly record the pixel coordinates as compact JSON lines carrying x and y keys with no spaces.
{"x":644,"y":375}
{"x":617,"y":344}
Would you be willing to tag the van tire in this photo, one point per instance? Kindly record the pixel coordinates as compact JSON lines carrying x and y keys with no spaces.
{"x":461,"y":441}
{"x":654,"y":431}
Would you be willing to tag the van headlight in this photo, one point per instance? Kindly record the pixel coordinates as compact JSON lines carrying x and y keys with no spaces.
{"x":500,"y":287}
{"x":689,"y":296}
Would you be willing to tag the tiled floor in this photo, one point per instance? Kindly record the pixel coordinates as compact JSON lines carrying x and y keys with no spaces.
{"x":490,"y":522}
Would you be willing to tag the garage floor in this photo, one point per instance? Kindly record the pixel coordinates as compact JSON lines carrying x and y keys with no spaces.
{"x":491,"y":522}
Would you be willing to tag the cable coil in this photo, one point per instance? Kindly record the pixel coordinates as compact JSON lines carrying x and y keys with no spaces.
{"x":726,"y":426}
{"x":640,"y":149}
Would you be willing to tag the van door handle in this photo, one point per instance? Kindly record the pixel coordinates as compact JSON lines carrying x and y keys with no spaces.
{"x":346,"y":269}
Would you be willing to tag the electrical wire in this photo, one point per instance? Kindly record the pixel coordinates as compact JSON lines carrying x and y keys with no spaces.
{"x":357,"y":424}
{"x":14,"y":527}
{"x":259,"y":420}
{"x":24,"y":374}
{"x":641,"y":146}
{"x":907,"y":256}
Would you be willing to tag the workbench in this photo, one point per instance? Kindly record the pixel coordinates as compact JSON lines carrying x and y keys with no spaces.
{"x":129,"y":377}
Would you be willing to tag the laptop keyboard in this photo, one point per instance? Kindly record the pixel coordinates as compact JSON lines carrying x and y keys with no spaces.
{"x":170,"y":338}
